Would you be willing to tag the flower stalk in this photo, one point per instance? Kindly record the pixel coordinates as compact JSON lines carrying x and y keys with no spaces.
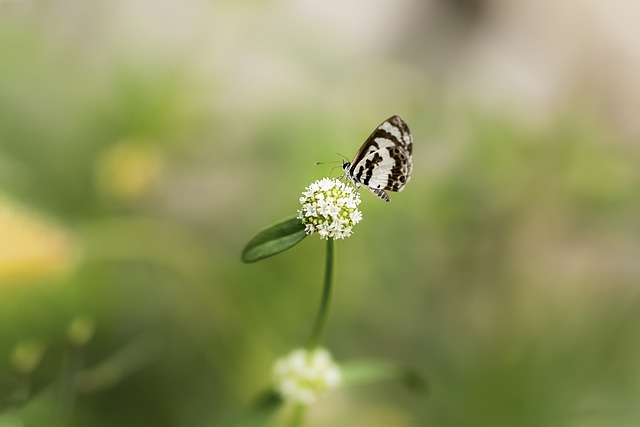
{"x":325,"y":304}
{"x":297,"y":416}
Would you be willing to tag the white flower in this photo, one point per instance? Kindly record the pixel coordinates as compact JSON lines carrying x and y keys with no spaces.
{"x":327,"y":184}
{"x":310,"y":209}
{"x":330,"y":208}
{"x":355,"y":216}
{"x":302,"y":375}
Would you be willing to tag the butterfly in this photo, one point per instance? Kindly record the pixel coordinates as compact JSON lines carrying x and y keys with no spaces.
{"x":384,"y":160}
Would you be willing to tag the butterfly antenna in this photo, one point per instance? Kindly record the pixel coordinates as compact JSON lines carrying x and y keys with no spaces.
{"x":343,"y":156}
{"x":325,"y":163}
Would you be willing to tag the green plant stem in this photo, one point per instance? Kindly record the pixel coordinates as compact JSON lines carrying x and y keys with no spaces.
{"x":297,"y":416}
{"x":325,"y":303}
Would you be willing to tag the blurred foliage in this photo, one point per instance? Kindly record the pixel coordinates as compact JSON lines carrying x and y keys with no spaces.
{"x":507,"y":272}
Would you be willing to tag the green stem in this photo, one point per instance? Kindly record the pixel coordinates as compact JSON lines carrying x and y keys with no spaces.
{"x":297,"y":416}
{"x":325,"y":303}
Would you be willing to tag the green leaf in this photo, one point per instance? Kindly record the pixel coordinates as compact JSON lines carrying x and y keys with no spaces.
{"x":274,"y":239}
{"x":368,"y":371}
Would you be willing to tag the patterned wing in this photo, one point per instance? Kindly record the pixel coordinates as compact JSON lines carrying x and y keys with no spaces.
{"x":384,"y":160}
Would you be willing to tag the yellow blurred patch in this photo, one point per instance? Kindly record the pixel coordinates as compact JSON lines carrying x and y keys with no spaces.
{"x":128,"y":169}
{"x":81,"y":330}
{"x":26,"y":356}
{"x":31,"y":248}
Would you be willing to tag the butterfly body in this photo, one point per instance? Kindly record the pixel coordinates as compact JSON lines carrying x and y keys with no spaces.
{"x":383,"y":163}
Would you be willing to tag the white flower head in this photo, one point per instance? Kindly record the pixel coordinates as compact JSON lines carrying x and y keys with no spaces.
{"x":330,"y":208}
{"x":304,"y":374}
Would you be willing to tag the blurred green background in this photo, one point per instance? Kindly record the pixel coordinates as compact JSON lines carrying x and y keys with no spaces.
{"x":142,"y":144}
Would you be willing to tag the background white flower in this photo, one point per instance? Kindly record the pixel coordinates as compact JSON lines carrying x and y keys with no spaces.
{"x":302,"y":375}
{"x":330,"y":208}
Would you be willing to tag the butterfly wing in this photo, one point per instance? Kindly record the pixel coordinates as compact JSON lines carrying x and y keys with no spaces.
{"x":384,"y":160}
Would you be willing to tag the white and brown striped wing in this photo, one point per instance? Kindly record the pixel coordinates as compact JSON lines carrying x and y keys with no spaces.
{"x":384,"y":160}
